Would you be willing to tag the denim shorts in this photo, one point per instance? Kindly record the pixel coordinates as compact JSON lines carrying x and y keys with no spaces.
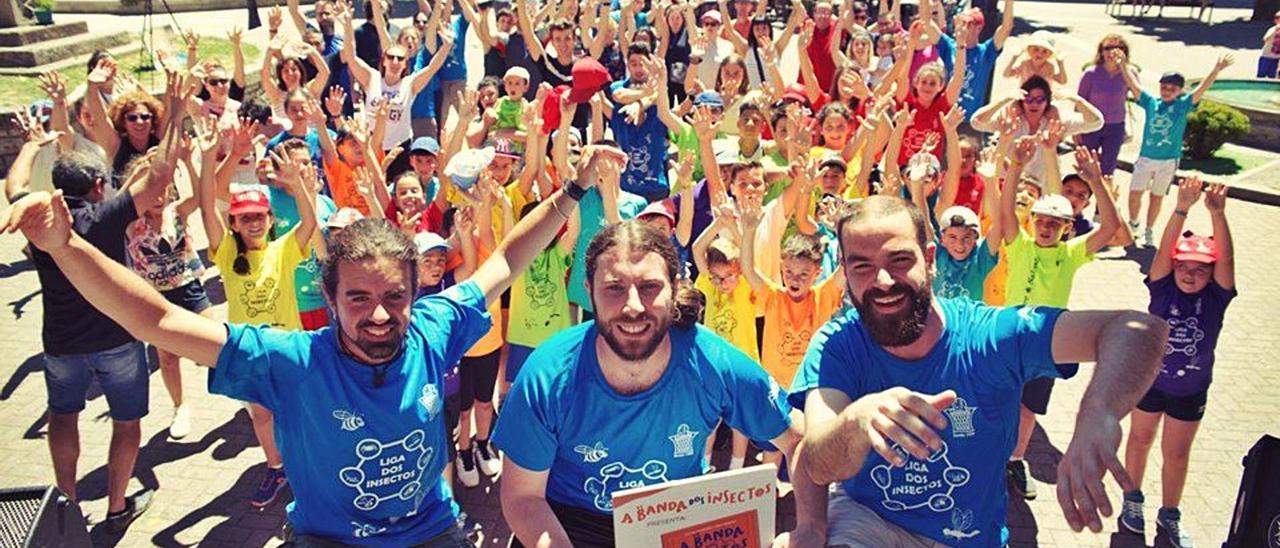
{"x":121,"y":372}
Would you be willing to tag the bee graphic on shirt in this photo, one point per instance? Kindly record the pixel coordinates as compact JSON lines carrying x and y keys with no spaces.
{"x":350,"y":421}
{"x":592,"y":454}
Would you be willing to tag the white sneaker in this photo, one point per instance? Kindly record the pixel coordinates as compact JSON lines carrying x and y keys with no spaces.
{"x":487,"y":458}
{"x":1148,"y":240}
{"x":180,"y":426}
{"x":467,"y":473}
{"x":1134,"y":232}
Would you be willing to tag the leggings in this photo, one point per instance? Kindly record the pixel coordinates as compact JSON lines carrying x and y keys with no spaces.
{"x":1107,"y":141}
{"x":478,"y":375}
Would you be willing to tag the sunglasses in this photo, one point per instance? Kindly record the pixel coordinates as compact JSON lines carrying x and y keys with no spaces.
{"x":1037,"y":100}
{"x":420,"y":23}
{"x":136,"y":117}
{"x":217,"y":81}
{"x":398,"y":58}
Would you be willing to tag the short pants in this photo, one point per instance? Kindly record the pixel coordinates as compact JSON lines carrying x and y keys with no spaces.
{"x":1188,"y":408}
{"x":452,"y":412}
{"x":856,"y":526}
{"x":516,"y":356}
{"x":1156,"y":175}
{"x":121,"y":372}
{"x":478,"y":375}
{"x":1268,"y":67}
{"x":190,"y":297}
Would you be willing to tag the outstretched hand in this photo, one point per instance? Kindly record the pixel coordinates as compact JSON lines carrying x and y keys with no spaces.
{"x":1091,"y":454}
{"x":42,"y":217}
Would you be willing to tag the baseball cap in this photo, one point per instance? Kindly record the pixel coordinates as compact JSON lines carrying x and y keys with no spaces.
{"x":428,"y":145}
{"x":709,"y":98}
{"x":657,"y":208}
{"x":429,"y":241}
{"x":921,"y":165}
{"x":1191,"y":247}
{"x":249,"y":201}
{"x":519,"y":72}
{"x":711,"y":15}
{"x":795,"y":92}
{"x":833,"y":160}
{"x":504,"y":147}
{"x":41,"y":110}
{"x":588,"y":77}
{"x":465,"y":167}
{"x":1173,"y":77}
{"x":725,"y":151}
{"x":959,"y":216}
{"x":343,"y":218}
{"x":1053,"y":205}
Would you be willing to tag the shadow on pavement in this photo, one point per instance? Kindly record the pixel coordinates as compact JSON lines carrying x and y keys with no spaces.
{"x":19,"y":306}
{"x":1171,"y":31}
{"x":13,"y":269}
{"x":233,"y":505}
{"x":33,"y":364}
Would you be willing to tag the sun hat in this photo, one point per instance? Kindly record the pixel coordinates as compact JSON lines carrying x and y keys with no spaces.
{"x":1041,"y":39}
{"x":1191,"y":247}
{"x":921,"y":165}
{"x":519,"y":72}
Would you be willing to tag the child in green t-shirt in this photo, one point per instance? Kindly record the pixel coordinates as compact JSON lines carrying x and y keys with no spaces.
{"x":539,"y":299}
{"x":509,"y":108}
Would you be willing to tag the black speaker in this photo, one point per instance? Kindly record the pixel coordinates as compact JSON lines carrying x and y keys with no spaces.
{"x":40,"y":516}
{"x":1256,"y":520}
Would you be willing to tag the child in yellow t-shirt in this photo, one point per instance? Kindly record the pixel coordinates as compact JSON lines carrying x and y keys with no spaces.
{"x":730,"y":311}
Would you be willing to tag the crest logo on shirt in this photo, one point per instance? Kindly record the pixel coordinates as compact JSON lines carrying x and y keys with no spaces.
{"x":682,"y":441}
{"x":593,"y":453}
{"x":430,"y":400}
{"x":350,"y":421}
{"x":961,"y":416}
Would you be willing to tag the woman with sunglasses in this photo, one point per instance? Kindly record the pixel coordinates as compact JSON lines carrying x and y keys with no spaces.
{"x":1033,"y":112}
{"x":135,"y":121}
{"x":392,"y":83}
{"x":1103,"y":86}
{"x":219,"y":104}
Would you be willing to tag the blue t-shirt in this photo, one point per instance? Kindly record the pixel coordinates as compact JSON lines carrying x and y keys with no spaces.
{"x":591,"y":215}
{"x":964,"y":278}
{"x":424,"y":103}
{"x":646,"y":147}
{"x":564,"y":417}
{"x":1195,"y":321}
{"x":985,"y":354}
{"x":306,"y":278}
{"x":1166,"y":121}
{"x":979,"y":62}
{"x":455,"y":66}
{"x":365,"y":463}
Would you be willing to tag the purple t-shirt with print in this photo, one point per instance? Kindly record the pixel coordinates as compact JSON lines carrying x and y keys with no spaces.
{"x":1194,"y":321}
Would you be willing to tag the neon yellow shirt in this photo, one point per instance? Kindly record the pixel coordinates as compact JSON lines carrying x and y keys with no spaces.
{"x":540,"y":299}
{"x":1043,"y":275}
{"x":266,"y":294}
{"x":731,"y":315}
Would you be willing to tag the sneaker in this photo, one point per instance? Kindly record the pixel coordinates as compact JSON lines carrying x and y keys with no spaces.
{"x":271,"y":485}
{"x":1148,"y":240}
{"x":180,"y":426}
{"x":1169,"y":531}
{"x":1134,"y":230}
{"x":1020,"y":479}
{"x":118,"y":522}
{"x":487,"y":458}
{"x":1131,"y":513}
{"x":466,"y":469}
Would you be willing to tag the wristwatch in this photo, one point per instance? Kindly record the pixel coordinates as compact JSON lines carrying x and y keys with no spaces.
{"x":574,"y":192}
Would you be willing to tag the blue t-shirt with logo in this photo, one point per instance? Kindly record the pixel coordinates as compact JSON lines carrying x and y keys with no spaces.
{"x":1195,"y":321}
{"x":985,"y":354}
{"x":963,"y":278}
{"x":646,"y":146}
{"x":306,"y":278}
{"x":564,"y":417}
{"x":979,"y":62}
{"x":365,"y":462}
{"x":1166,"y":122}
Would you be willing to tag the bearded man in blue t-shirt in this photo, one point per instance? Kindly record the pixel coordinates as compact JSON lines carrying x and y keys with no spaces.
{"x":911,"y":402}
{"x":359,"y":405}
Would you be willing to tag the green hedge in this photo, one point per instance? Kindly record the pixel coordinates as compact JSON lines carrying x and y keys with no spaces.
{"x":1211,"y":125}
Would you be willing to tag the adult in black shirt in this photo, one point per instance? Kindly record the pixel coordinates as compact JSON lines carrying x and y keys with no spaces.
{"x":81,"y":343}
{"x":554,"y":63}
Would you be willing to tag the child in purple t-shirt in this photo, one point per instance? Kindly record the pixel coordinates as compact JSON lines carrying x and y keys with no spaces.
{"x":1192,"y":280}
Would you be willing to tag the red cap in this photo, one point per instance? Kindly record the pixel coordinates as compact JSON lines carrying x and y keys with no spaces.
{"x":795,"y":92}
{"x":660,"y":209}
{"x":249,"y":201}
{"x":975,"y":16}
{"x":589,"y":76}
{"x":1199,"y":249}
{"x":551,"y":109}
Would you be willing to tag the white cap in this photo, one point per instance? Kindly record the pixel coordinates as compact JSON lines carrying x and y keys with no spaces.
{"x":517,"y":71}
{"x":959,"y":216}
{"x":1053,"y":205}
{"x":465,"y":167}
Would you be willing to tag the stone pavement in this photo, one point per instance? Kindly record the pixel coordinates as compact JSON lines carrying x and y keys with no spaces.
{"x":204,"y":481}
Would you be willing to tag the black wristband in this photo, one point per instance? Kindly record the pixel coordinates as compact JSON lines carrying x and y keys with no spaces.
{"x":574,"y":192}
{"x":18,"y":196}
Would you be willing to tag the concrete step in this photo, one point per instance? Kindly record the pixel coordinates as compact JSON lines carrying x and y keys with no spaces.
{"x":51,"y":51}
{"x":22,"y":36}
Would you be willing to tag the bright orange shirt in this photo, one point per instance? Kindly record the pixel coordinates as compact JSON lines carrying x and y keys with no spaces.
{"x":789,"y":324}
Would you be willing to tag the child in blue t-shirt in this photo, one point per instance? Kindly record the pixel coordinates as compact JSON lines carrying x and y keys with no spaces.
{"x":1192,"y":280}
{"x":1161,"y":138}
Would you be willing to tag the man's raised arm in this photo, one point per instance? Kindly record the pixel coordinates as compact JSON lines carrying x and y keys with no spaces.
{"x":110,"y":286}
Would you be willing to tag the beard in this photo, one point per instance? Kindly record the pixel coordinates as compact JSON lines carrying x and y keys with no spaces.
{"x":900,"y":328}
{"x":376,"y":350}
{"x":634,"y":349}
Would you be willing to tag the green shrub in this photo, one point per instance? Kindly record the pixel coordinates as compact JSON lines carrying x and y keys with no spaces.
{"x":1211,"y":125}
{"x":42,"y":5}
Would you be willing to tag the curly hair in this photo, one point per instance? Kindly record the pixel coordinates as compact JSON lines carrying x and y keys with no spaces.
{"x":128,"y":102}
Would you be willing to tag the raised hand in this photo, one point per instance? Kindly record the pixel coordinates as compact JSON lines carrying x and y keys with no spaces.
{"x":1223,"y":62}
{"x":1024,"y":149}
{"x":931,"y":142}
{"x":903,"y":117}
{"x":315,"y":115}
{"x":275,"y":18}
{"x":54,"y":85}
{"x":1052,"y":134}
{"x":806,"y":33}
{"x":234,"y":35}
{"x":684,"y":174}
{"x":207,"y":135}
{"x":408,"y":222}
{"x":244,"y":136}
{"x":288,"y":172}
{"x":1215,"y":197}
{"x":192,"y":40}
{"x":703,"y":123}
{"x":334,"y":101}
{"x":1087,"y":165}
{"x":42,"y":217}
{"x":953,"y":118}
{"x":103,"y":73}
{"x":34,"y":130}
{"x":1189,"y":192}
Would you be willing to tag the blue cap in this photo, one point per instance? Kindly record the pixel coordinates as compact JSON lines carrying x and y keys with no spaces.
{"x":41,"y":110}
{"x":709,"y":98}
{"x":428,"y":145}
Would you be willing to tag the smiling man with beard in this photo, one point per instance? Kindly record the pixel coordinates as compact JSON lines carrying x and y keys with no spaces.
{"x":359,"y":405}
{"x":626,"y":400}
{"x":911,"y":402}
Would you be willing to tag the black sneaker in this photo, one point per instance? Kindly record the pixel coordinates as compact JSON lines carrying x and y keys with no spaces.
{"x":1020,"y":479}
{"x":118,"y":522}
